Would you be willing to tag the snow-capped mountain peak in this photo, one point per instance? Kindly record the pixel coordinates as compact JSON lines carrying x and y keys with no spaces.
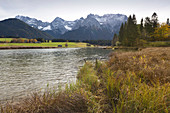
{"x":58,"y":19}
{"x":112,"y":22}
{"x":33,"y":22}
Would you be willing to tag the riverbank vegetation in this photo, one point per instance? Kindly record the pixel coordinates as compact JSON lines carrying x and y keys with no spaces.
{"x":130,"y":82}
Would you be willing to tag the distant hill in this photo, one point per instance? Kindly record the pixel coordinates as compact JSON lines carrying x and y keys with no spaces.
{"x":16,"y":27}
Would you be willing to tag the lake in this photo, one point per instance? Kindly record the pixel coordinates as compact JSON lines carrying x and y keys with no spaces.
{"x":28,"y":70}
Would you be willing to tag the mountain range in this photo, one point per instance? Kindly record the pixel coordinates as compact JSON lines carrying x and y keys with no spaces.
{"x":18,"y":28}
{"x":93,"y":27}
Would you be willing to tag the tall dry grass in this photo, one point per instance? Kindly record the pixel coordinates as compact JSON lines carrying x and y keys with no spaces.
{"x":151,"y":64}
{"x":49,"y":102}
{"x":131,"y":82}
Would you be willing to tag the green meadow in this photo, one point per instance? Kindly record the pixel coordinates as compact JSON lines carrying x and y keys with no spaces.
{"x":52,"y":44}
{"x":6,"y":39}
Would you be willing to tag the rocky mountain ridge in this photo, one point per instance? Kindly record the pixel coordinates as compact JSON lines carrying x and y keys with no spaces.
{"x":59,"y":27}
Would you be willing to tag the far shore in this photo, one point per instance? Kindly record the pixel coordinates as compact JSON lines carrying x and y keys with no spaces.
{"x":43,"y":45}
{"x":26,"y":47}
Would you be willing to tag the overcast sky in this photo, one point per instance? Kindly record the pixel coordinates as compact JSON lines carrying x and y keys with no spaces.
{"x":47,"y":10}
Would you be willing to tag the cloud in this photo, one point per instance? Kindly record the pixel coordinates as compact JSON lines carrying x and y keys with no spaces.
{"x":47,"y":10}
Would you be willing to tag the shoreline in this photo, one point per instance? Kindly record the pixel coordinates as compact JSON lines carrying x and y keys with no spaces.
{"x":27,"y":47}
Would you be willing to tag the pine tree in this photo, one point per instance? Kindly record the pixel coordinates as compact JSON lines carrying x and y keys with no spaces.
{"x":134,"y":19}
{"x":148,"y":26}
{"x":141,"y":25}
{"x":125,"y":40}
{"x":142,"y":30}
{"x":135,"y":31}
{"x":154,"y":21}
{"x":132,"y":31}
{"x":129,"y":32}
{"x":128,"y":35}
{"x":115,"y":39}
{"x":121,"y":33}
{"x":167,"y":22}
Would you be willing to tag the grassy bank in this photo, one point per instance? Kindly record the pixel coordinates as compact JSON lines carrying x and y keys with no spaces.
{"x":142,"y":46}
{"x":158,"y":44}
{"x":129,"y":82}
{"x":53,"y":44}
{"x":6,"y":39}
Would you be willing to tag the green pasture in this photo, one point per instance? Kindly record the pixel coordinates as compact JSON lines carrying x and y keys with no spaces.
{"x":53,"y":44}
{"x":6,"y":39}
{"x":9,"y":39}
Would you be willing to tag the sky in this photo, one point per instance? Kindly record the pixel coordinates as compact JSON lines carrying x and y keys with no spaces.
{"x":48,"y":10}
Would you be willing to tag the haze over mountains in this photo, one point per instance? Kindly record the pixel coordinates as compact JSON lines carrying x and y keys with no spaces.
{"x":94,"y":27}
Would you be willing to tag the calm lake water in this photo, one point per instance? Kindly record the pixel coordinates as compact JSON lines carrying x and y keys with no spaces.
{"x":25,"y":71}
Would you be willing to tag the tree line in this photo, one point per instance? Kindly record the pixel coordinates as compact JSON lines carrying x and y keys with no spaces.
{"x":99,"y":42}
{"x":149,"y":29}
{"x":93,"y":42}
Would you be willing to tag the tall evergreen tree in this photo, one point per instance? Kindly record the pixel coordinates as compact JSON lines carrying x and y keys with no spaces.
{"x":154,"y":20}
{"x":129,"y":32}
{"x":132,"y":31}
{"x":125,"y":40}
{"x":128,"y":39}
{"x":135,"y":31}
{"x":121,"y":33}
{"x":167,"y":22}
{"x":134,"y":19}
{"x":148,"y":26}
{"x":141,"y":25}
{"x":115,"y":39}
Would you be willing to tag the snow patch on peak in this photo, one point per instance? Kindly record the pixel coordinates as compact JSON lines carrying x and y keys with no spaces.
{"x":67,"y":27}
{"x":40,"y":27}
{"x":18,"y":17}
{"x":47,"y":28}
{"x":58,"y":19}
{"x":101,"y":23}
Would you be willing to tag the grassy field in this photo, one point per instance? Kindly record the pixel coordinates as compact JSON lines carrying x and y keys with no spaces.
{"x":9,"y":39}
{"x":6,"y":39}
{"x":158,"y":44}
{"x":53,"y":44}
{"x":129,"y":82}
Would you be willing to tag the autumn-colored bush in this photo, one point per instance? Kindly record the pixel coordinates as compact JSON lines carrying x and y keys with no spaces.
{"x":22,"y":40}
